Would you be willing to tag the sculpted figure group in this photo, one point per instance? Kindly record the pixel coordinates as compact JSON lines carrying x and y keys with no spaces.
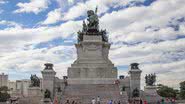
{"x":92,"y":27}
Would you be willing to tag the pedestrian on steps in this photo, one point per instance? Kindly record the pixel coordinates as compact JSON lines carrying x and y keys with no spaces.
{"x":67,"y":102}
{"x":98,"y":100}
{"x":73,"y":102}
{"x":93,"y":101}
{"x":110,"y":102}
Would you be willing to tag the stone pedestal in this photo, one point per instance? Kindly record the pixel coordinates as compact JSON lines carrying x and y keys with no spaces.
{"x":150,"y":94}
{"x":34,"y":95}
{"x":46,"y":101}
{"x":34,"y":91}
{"x":92,"y":59}
{"x":135,"y":77}
{"x":48,"y":75}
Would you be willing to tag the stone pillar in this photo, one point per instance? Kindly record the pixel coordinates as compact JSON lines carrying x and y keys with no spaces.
{"x":135,"y":74}
{"x":34,"y":95}
{"x":34,"y":91}
{"x":48,"y":75}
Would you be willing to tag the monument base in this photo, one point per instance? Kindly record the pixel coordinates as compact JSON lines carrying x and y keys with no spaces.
{"x":34,"y":91}
{"x":150,"y":94}
{"x":34,"y":95}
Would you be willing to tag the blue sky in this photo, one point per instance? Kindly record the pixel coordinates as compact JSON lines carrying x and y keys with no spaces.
{"x":150,"y":32}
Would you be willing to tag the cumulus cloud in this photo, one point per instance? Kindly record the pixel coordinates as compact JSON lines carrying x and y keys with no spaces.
{"x":33,"y":61}
{"x":24,"y":37}
{"x":150,"y":35}
{"x":3,"y":1}
{"x":130,"y":24}
{"x":10,"y":23}
{"x":34,"y":6}
{"x":81,"y":8}
{"x":53,"y":17}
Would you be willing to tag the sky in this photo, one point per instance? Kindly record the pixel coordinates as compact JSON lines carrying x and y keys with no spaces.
{"x":149,"y":32}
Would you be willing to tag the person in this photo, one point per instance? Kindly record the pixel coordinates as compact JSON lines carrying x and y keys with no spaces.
{"x":162,"y":101}
{"x":98,"y":99}
{"x":67,"y":102}
{"x":110,"y":102}
{"x":93,"y":101}
{"x":141,"y":102}
{"x":158,"y":102}
{"x":73,"y":102}
{"x":119,"y":102}
{"x":145,"y":102}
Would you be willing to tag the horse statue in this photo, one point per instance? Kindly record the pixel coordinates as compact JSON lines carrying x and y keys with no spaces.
{"x":35,"y":81}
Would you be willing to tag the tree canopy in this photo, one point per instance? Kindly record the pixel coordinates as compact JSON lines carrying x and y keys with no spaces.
{"x":165,"y":91}
{"x":4,"y":96}
{"x":182,"y":90}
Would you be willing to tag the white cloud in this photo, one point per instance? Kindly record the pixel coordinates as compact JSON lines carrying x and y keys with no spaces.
{"x":33,"y":61}
{"x":10,"y":23}
{"x":139,"y":34}
{"x":34,"y":6}
{"x":130,"y":24}
{"x":53,"y":17}
{"x":3,"y":1}
{"x":24,"y":37}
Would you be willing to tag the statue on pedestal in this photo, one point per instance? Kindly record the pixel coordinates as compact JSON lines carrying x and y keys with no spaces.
{"x":92,"y":27}
{"x":35,"y":81}
{"x":47,"y":94}
{"x":93,"y":21}
{"x":150,"y":79}
{"x":135,"y":93}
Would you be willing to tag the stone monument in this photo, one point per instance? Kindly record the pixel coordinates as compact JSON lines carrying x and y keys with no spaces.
{"x":48,"y":75}
{"x":92,"y":52}
{"x":135,"y":74}
{"x":34,"y":91}
{"x":150,"y":90}
{"x":47,"y":97}
{"x":92,"y":74}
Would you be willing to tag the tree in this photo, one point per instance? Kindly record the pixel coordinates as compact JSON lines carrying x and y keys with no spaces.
{"x":4,"y":96}
{"x":182,"y":90}
{"x":165,"y":91}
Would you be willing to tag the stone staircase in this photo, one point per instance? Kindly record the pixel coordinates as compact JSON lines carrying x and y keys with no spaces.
{"x":83,"y":93}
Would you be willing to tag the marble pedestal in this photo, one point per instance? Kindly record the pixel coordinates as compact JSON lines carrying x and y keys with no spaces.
{"x":34,"y":95}
{"x":34,"y":91}
{"x":150,"y":94}
{"x":92,"y":60}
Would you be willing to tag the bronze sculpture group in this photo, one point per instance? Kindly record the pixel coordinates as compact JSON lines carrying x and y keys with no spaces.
{"x":92,"y":27}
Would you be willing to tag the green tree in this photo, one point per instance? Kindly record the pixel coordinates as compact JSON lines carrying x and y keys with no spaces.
{"x":182,"y":90}
{"x":4,"y":96}
{"x":165,"y":91}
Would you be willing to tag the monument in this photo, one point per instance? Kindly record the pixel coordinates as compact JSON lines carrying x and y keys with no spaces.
{"x":150,"y":90}
{"x":34,"y":91}
{"x":48,"y":75}
{"x":92,"y":52}
{"x":47,"y":97}
{"x":135,"y":74}
{"x":92,"y":74}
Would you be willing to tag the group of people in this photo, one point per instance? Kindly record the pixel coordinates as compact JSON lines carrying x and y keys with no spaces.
{"x":73,"y":102}
{"x":97,"y":101}
{"x":162,"y":101}
{"x":94,"y":101}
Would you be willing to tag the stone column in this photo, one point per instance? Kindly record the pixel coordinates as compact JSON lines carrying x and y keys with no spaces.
{"x":48,"y":75}
{"x":135,"y":74}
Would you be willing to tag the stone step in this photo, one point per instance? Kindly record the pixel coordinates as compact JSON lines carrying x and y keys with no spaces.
{"x":84,"y":93}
